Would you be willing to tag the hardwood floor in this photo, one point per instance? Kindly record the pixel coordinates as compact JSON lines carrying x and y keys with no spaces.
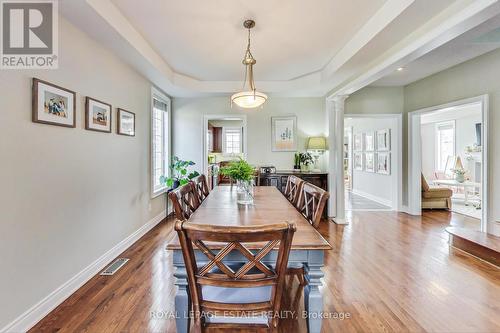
{"x":388,"y":271}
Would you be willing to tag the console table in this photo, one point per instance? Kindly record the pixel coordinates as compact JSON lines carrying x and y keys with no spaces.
{"x":280,"y":177}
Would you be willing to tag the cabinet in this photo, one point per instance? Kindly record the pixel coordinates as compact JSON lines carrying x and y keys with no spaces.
{"x":280,"y":178}
{"x":217,"y":139}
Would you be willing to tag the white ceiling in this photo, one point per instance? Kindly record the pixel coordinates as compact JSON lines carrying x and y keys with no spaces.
{"x":452,"y":113}
{"x":206,"y":40}
{"x":303,"y":48}
{"x":478,"y":41}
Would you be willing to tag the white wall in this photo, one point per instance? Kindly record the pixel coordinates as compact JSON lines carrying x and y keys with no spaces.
{"x":187,"y":126}
{"x":376,"y":186}
{"x":68,"y":194}
{"x":465,"y":119}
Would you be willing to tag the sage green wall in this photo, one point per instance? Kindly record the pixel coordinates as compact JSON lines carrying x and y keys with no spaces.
{"x":188,"y":113}
{"x":382,"y":100}
{"x":69,"y":195}
{"x":475,"y":77}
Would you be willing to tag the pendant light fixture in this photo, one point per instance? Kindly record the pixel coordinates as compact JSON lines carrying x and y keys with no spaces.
{"x":250,"y":98}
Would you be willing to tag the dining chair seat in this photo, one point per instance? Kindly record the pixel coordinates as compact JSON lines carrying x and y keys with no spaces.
{"x":245,"y":320}
{"x":235,"y":295}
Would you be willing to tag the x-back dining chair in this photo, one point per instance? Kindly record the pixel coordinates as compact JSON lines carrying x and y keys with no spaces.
{"x":184,"y":200}
{"x":230,"y":296}
{"x":293,"y":189}
{"x":311,"y":203}
{"x":201,"y":187}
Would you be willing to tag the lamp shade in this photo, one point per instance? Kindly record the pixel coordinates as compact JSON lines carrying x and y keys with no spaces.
{"x":316,"y":143}
{"x":249,"y":99}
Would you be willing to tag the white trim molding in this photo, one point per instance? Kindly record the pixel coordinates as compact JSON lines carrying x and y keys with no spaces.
{"x":38,"y":311}
{"x":415,"y":158}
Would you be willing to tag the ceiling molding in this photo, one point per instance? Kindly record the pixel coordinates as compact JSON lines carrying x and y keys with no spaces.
{"x":110,"y":27}
{"x":452,"y":22}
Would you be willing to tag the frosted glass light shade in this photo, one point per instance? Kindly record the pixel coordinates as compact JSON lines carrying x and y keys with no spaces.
{"x":249,"y":99}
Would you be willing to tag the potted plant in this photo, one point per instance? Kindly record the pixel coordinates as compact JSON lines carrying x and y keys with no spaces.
{"x":180,"y":174}
{"x":459,"y":174}
{"x":306,"y":160}
{"x":296,"y":162}
{"x":243,"y":173}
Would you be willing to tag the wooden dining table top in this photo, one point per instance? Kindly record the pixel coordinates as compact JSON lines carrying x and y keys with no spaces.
{"x":270,"y":206}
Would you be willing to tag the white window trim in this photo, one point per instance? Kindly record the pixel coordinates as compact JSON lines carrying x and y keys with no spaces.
{"x":157,"y":94}
{"x":438,"y":125}
{"x":224,"y":140}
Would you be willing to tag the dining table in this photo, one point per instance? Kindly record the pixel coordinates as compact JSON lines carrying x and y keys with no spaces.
{"x":269,"y":206}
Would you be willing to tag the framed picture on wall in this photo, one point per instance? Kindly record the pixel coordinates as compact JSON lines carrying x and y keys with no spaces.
{"x":97,"y":115}
{"x":384,"y":163}
{"x":53,"y":105}
{"x":384,"y":140}
{"x":126,"y":123}
{"x":369,"y":162}
{"x":357,"y":142}
{"x":284,"y":133}
{"x":358,"y":161}
{"x":369,"y":141}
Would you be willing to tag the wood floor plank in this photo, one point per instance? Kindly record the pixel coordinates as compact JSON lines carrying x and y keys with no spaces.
{"x":390,"y":272}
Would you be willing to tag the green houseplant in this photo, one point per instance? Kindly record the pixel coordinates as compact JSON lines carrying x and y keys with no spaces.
{"x":306,"y":160}
{"x":180,"y":173}
{"x":242,"y":172}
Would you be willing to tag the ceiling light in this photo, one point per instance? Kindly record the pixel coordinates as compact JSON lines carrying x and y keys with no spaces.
{"x":400,"y":69}
{"x":250,"y":98}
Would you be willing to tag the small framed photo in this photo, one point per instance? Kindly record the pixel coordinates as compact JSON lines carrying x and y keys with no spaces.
{"x":358,"y":142}
{"x":284,"y":133}
{"x":384,"y":163}
{"x":126,"y":123}
{"x":53,"y":105}
{"x":97,"y":115}
{"x":369,"y":141}
{"x":369,"y":162}
{"x":384,"y":140}
{"x":358,"y":161}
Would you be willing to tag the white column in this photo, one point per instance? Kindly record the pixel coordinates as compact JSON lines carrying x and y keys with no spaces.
{"x":335,"y":113}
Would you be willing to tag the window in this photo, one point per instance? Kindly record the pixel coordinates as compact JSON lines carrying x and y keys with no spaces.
{"x":159,"y":141}
{"x":232,"y":140}
{"x":445,"y":138}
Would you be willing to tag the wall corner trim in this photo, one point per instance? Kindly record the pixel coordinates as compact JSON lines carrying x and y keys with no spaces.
{"x":38,"y":311}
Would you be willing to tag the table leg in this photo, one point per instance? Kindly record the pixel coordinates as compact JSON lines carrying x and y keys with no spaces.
{"x":313,"y":299}
{"x":182,"y":301}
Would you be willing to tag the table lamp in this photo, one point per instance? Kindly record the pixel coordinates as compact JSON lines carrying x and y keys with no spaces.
{"x":316,"y":145}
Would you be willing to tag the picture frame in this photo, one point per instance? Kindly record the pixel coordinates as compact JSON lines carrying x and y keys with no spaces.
{"x":369,"y":141}
{"x":98,"y":115}
{"x":126,"y":123}
{"x":284,"y":133}
{"x":53,"y":104}
{"x":357,"y":142}
{"x":369,"y":162}
{"x":384,"y":163}
{"x":358,"y":161}
{"x":384,"y":140}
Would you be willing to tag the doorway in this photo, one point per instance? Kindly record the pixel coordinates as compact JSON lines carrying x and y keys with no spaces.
{"x":224,"y":139}
{"x":448,"y":147}
{"x":372,"y":162}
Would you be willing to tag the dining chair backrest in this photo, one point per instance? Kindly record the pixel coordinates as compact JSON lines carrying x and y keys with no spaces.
{"x":184,"y":200}
{"x":201,"y":186}
{"x":293,"y":189}
{"x":312,"y":202}
{"x":249,"y":290}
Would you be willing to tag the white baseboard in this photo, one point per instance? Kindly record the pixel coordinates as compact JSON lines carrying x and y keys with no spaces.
{"x":340,"y":221}
{"x":372,"y":197}
{"x":37,"y":312}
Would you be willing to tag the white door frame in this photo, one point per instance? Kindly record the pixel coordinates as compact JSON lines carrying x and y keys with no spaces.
{"x":204,"y":129}
{"x":415,"y":156}
{"x":397,"y":190}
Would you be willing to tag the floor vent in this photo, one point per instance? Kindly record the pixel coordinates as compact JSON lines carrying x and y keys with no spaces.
{"x":115,"y":266}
